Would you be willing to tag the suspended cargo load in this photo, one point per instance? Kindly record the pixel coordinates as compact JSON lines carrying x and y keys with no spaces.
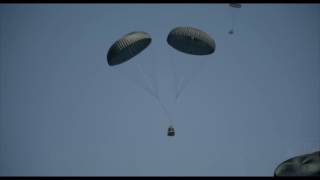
{"x":171,"y":131}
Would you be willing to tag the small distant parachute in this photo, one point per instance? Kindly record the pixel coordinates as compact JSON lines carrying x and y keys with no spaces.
{"x":127,"y":47}
{"x":235,"y":5}
{"x":191,"y":41}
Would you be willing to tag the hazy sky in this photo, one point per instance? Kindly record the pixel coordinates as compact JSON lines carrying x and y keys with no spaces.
{"x":253,"y":103}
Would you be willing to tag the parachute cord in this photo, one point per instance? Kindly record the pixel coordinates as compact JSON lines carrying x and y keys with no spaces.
{"x":186,"y":80}
{"x":175,"y":78}
{"x":232,"y":20}
{"x":155,"y":76}
{"x":154,"y":92}
{"x":156,"y":95}
{"x":165,"y":110}
{"x":136,"y":83}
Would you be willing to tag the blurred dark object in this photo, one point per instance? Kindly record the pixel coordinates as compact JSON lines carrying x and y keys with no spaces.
{"x":303,"y":165}
{"x":235,"y":5}
{"x":171,"y":131}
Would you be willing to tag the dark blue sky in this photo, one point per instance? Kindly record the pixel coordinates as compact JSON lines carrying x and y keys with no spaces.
{"x":254,"y":103}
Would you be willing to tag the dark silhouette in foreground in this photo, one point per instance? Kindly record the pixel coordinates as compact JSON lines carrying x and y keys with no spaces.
{"x":303,"y":165}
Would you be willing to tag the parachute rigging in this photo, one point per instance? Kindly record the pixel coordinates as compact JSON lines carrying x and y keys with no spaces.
{"x":192,"y":41}
{"x":234,"y":7}
{"x":126,"y":48}
{"x":187,"y":40}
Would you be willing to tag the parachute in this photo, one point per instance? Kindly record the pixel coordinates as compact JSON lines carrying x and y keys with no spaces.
{"x":127,"y":47}
{"x":191,"y":41}
{"x":234,"y":6}
{"x":302,"y":165}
